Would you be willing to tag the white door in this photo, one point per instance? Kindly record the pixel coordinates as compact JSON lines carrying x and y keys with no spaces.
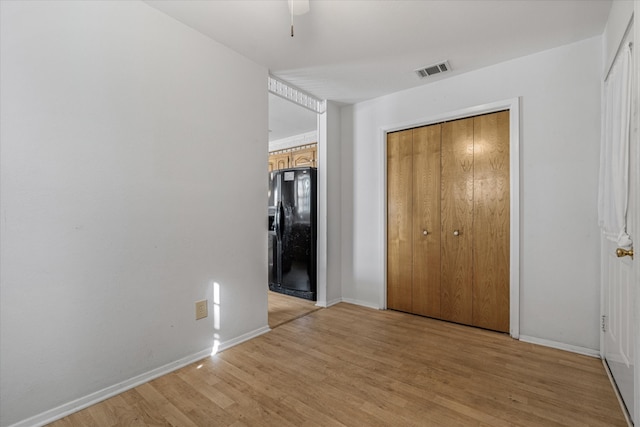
{"x":621,"y":276}
{"x":618,"y":322}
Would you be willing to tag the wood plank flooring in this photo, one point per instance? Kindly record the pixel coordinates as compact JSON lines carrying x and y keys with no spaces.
{"x":352,"y":366}
{"x":285,"y":308}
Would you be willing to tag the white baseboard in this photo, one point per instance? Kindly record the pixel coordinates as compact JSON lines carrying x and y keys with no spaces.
{"x":334,"y":302}
{"x":100,"y":395}
{"x":361,"y":303}
{"x":325,"y":304}
{"x":561,"y":346}
{"x":242,"y":338}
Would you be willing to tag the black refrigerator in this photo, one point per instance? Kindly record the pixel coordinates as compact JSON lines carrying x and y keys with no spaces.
{"x":292,"y":232}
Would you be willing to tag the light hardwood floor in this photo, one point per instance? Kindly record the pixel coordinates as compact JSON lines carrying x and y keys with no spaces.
{"x":284,"y":308}
{"x":353,"y":366}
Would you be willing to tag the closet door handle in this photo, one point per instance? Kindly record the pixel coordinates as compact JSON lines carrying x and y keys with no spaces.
{"x":456,"y":233}
{"x":425,"y":232}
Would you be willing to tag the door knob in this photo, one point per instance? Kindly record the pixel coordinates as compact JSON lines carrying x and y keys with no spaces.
{"x":425,"y":232}
{"x":456,"y":233}
{"x":624,"y":252}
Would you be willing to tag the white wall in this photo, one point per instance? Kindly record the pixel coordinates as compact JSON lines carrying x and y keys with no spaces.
{"x":329,"y":231}
{"x":559,"y":133}
{"x":123,"y":197}
{"x":294,"y":141}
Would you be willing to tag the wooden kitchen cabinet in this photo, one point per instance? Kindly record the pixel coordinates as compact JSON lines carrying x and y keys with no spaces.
{"x":304,"y":155}
{"x":278,"y":161}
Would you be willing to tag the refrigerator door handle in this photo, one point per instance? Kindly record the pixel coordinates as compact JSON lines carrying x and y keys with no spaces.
{"x":280,"y":216}
{"x":276,"y":221}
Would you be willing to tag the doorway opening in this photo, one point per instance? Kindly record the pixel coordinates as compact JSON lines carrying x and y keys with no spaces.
{"x":292,"y":250}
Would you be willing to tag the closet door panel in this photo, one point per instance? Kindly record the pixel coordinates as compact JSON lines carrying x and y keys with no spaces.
{"x":426,"y":221}
{"x":457,"y":221}
{"x":399,"y":220}
{"x":491,"y":222}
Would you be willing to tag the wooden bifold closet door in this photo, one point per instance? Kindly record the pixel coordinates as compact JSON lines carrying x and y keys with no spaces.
{"x":448,"y":221}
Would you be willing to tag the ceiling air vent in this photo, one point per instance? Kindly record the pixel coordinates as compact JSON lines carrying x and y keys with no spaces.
{"x":433,"y":69}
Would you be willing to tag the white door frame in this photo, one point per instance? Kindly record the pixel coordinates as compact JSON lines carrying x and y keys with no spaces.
{"x":513,"y":105}
{"x":636,"y":138}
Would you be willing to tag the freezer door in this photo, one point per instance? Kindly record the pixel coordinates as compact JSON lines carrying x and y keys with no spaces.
{"x":274,"y":225}
{"x":298,"y":238}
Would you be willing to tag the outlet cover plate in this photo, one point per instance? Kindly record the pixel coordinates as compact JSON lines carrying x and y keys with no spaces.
{"x":201,"y":309}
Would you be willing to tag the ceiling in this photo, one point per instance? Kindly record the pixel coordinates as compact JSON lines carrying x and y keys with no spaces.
{"x":352,"y":50}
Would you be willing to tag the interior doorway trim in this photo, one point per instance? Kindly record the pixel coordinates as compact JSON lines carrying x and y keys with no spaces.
{"x":297,"y":96}
{"x":513,"y":105}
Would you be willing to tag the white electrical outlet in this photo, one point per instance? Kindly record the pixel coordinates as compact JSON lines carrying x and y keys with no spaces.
{"x":201,"y":309}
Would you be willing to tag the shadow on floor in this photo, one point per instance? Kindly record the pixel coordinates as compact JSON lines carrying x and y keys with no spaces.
{"x":285,"y":308}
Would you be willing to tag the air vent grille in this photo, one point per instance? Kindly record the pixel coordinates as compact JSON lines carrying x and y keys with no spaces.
{"x":433,"y":69}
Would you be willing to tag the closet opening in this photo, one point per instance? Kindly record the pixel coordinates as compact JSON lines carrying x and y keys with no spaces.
{"x":452,"y":219}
